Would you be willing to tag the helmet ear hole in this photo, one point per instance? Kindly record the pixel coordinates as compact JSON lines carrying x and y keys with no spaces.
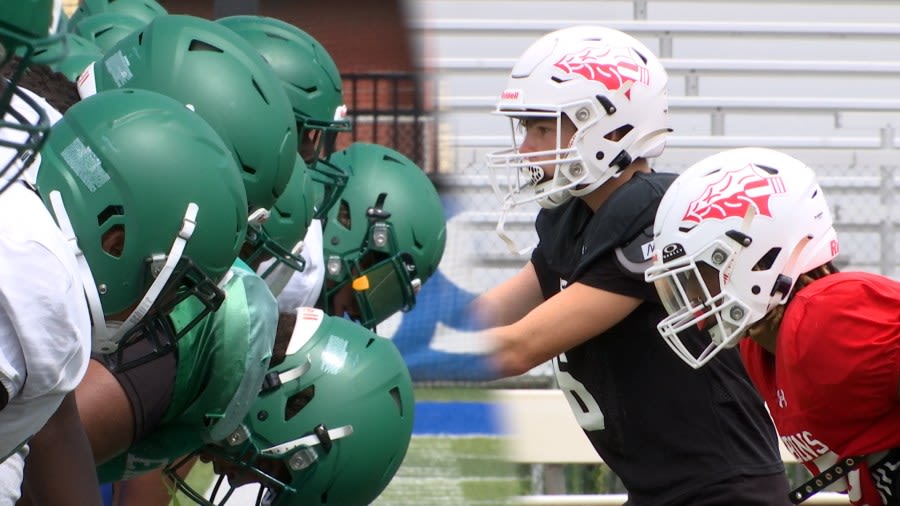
{"x":113,"y":241}
{"x":395,"y":394}
{"x":199,"y":45}
{"x":766,"y":261}
{"x":344,"y":215}
{"x":298,"y":401}
{"x":618,"y":133}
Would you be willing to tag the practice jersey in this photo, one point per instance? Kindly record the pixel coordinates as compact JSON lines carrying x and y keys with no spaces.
{"x":221,"y":365}
{"x":45,"y":328}
{"x":303,"y":288}
{"x":666,"y":430}
{"x":832,"y":384}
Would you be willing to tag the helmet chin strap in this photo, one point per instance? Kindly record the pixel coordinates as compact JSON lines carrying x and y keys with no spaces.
{"x":278,"y":276}
{"x":302,"y":451}
{"x":501,"y":231}
{"x":106,"y":336}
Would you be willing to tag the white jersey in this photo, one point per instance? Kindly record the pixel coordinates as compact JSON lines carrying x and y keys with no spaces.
{"x":12,"y":472}
{"x":302,"y":289}
{"x":45,"y":327}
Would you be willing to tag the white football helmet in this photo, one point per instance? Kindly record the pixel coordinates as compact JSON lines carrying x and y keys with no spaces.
{"x":732,"y":235}
{"x":605,"y":82}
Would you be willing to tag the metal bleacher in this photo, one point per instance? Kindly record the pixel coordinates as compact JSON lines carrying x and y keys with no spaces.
{"x":742,"y":73}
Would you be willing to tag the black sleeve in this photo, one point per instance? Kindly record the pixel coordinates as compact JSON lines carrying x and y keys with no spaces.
{"x":606,"y":274}
{"x":548,"y":280}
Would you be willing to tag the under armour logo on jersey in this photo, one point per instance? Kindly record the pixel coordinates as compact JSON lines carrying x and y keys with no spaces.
{"x":782,"y":400}
{"x":562,"y":284}
{"x":614,"y":68}
{"x":734,"y":193}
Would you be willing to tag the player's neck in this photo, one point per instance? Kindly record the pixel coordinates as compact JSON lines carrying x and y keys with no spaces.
{"x":764,"y":335}
{"x":597,"y":197}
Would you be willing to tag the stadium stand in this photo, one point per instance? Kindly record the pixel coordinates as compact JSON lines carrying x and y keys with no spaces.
{"x":742,"y":73}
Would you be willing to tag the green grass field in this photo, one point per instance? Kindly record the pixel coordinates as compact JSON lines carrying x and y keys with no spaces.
{"x":437,"y":470}
{"x":466,"y":471}
{"x":458,"y":471}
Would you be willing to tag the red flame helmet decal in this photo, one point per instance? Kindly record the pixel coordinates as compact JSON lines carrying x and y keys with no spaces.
{"x":614,"y":68}
{"x":734,"y":193}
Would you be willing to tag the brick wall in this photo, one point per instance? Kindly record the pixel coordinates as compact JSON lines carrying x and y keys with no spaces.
{"x":361,"y":35}
{"x":364,"y":37}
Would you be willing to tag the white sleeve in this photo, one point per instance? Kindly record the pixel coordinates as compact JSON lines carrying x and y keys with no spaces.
{"x":11,"y":475}
{"x":303,"y":288}
{"x":44,"y":312}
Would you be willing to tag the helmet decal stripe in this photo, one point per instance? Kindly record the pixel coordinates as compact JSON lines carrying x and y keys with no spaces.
{"x":735,"y":192}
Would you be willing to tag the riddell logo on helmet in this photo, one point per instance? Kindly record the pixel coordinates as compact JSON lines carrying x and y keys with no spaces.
{"x":736,"y":191}
{"x":616,"y":69}
{"x":510,"y":96}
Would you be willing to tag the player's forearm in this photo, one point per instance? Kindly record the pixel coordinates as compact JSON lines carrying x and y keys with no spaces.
{"x":61,"y":440}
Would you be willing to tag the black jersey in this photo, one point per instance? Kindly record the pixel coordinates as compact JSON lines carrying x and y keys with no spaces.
{"x":667,"y":430}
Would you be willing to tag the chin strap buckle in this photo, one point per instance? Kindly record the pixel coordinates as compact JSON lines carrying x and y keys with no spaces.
{"x":825,"y":478}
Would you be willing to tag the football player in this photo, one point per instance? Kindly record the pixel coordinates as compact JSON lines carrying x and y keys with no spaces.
{"x":315,"y":90}
{"x":590,"y":104}
{"x":220,"y":76}
{"x":331,"y":425}
{"x":45,"y":327}
{"x":745,"y":243}
{"x":158,"y":224}
{"x":384,"y":236}
{"x":105,"y":199}
{"x":276,"y":243}
{"x":314,"y":87}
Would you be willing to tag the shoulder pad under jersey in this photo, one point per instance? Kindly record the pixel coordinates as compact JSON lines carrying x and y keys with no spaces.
{"x":627,"y":213}
{"x":635,"y":256}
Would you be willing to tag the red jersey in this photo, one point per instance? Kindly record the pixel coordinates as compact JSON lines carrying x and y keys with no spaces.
{"x":832,"y":385}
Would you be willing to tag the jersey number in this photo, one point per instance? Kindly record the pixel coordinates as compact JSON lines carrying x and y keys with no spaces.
{"x":584,"y":406}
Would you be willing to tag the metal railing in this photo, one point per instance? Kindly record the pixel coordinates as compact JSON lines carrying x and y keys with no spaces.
{"x":391,"y":109}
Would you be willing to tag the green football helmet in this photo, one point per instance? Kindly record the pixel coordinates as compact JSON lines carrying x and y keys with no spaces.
{"x":107,"y":28}
{"x":155,"y":200}
{"x":82,"y":53}
{"x":386,"y":234}
{"x":145,"y":10}
{"x":331,"y":424}
{"x":278,"y":233}
{"x":219,"y":75}
{"x":27,"y":28}
{"x":314,"y":87}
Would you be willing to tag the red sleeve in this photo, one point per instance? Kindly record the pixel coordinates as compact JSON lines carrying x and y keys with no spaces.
{"x":841,"y":338}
